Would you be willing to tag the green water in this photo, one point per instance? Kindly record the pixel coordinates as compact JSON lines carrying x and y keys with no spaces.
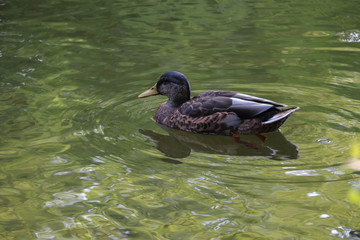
{"x":82,"y":158}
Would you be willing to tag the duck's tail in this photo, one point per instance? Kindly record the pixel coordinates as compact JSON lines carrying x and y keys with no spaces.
{"x":278,"y":119}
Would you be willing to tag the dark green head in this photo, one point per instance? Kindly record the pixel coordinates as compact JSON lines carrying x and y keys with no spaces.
{"x":172,"y":84}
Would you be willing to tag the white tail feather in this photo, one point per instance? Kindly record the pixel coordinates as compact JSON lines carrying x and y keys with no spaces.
{"x":281,"y":115}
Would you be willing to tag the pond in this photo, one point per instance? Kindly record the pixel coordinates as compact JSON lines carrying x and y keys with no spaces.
{"x":82,"y":158}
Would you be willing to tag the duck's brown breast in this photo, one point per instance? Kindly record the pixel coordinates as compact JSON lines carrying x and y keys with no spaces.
{"x":163,"y":113}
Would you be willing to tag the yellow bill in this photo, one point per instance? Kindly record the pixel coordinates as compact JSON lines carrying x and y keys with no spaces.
{"x":151,"y":92}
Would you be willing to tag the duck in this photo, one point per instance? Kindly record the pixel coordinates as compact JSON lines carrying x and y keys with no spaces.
{"x":214,"y":112}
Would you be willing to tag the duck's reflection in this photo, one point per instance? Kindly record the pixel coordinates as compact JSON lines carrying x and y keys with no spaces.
{"x":179,"y":144}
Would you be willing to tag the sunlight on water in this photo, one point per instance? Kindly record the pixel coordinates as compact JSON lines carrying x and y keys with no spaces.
{"x":82,"y":158}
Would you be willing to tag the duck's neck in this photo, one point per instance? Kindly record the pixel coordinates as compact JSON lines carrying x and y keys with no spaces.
{"x":163,"y":112}
{"x":176,"y":100}
{"x":171,"y":104}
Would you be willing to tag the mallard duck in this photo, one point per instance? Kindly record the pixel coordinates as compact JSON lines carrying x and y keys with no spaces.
{"x":214,"y":112}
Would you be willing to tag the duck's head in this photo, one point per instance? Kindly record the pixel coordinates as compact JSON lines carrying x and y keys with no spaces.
{"x":172,"y":84}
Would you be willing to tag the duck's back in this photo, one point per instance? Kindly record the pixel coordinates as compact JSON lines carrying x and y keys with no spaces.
{"x":222,"y":112}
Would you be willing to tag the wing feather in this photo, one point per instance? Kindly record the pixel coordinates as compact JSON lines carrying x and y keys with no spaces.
{"x":211,"y":102}
{"x":239,"y":96}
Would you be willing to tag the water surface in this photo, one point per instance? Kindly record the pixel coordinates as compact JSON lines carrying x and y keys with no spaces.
{"x":82,"y":158}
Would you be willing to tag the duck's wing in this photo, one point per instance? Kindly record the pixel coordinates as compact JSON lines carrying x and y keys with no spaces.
{"x":238,"y":96}
{"x":206,"y":105}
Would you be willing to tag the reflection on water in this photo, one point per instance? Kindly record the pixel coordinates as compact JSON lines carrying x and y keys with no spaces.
{"x":179,"y":144}
{"x":73,"y":164}
{"x":345,"y":233}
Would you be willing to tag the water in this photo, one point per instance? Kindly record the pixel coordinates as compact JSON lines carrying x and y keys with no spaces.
{"x":81,"y":157}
